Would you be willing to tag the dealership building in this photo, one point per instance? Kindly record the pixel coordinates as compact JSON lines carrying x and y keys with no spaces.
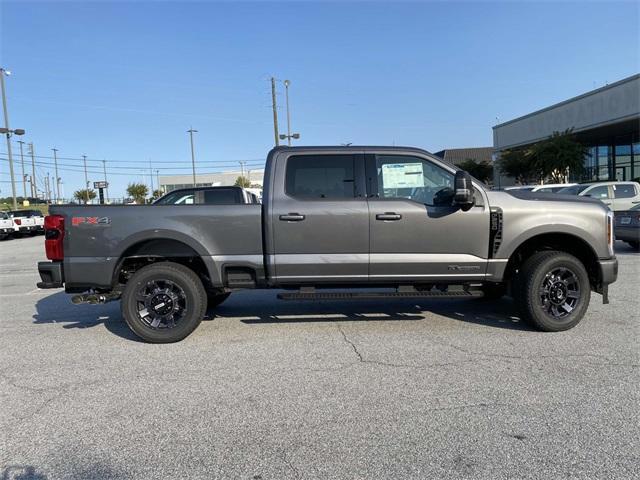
{"x":606,"y":120}
{"x":169,"y":183}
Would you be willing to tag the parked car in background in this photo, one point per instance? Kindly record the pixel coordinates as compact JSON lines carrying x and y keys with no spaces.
{"x":208,"y":196}
{"x":546,"y":188}
{"x":616,"y":195}
{"x":627,"y":226}
{"x":6,"y":225}
{"x":25,"y":222}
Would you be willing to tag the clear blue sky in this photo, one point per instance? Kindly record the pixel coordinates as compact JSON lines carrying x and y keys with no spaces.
{"x":125,"y":80}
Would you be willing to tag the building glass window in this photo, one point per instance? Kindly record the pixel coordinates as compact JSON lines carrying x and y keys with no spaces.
{"x":604,"y":162}
{"x":622,"y":166}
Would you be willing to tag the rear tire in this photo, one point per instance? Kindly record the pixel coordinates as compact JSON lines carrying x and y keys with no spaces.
{"x":634,"y":245}
{"x":554,"y":291}
{"x":163,"y":302}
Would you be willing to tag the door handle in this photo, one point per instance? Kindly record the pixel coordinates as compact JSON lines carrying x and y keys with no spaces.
{"x":292,"y":217}
{"x":388,"y":216}
{"x":636,"y":201}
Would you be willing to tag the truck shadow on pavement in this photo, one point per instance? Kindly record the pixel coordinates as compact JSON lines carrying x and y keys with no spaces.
{"x":262,"y":308}
{"x":57,"y":308}
{"x":256,"y":308}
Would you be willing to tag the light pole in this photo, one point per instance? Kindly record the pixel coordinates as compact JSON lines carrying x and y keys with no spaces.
{"x":8,"y":132}
{"x":24,"y":176}
{"x":289,"y":135}
{"x":34,"y":181}
{"x":57,"y":185}
{"x":191,"y":131}
{"x":275,"y":110}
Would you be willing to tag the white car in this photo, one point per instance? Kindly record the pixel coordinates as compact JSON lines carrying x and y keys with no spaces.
{"x":547,"y":188}
{"x":616,"y":195}
{"x":6,"y":225}
{"x":24,"y":222}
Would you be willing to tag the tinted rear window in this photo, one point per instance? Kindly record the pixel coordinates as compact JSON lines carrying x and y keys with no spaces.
{"x":624,"y":191}
{"x":320,"y":176}
{"x":574,"y":190}
{"x":221,"y":197}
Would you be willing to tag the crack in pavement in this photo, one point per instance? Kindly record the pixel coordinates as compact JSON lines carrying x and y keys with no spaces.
{"x":288,"y":463}
{"x":607,"y":361}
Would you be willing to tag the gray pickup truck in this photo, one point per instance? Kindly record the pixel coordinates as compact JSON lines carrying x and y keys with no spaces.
{"x":342,"y":218}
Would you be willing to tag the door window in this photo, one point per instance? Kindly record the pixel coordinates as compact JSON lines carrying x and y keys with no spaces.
{"x":320,"y":176}
{"x":624,"y":191}
{"x":413,"y":178}
{"x":599,"y":192}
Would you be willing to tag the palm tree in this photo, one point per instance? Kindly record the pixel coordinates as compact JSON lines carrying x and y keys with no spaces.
{"x":138,"y":191}
{"x":84,"y":195}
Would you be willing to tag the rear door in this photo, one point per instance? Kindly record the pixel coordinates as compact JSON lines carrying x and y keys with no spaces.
{"x":415,"y":234}
{"x":320,"y":222}
{"x":625,"y":196}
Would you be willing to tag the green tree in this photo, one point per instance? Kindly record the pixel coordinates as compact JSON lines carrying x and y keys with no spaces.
{"x":242,"y":182}
{"x":138,"y":191}
{"x":157,"y":194}
{"x":481,"y":170}
{"x":84,"y":195}
{"x":518,"y":164}
{"x":558,"y":155}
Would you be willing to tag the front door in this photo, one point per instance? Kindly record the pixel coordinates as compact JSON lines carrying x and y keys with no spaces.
{"x":416,"y":234}
{"x":321,"y":222}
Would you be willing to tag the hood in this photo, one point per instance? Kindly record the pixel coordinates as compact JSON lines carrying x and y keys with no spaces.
{"x":552,"y":197}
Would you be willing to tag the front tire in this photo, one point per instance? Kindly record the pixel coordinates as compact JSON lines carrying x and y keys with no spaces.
{"x":554,"y":291}
{"x":163,"y":302}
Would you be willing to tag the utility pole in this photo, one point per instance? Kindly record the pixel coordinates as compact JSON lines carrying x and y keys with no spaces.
{"x":104,"y":169}
{"x":286,"y":89}
{"x":86,"y":179}
{"x":57,"y":185}
{"x":4,"y":72}
{"x":275,"y":111}
{"x":24,"y":177}
{"x":158,"y":179}
{"x":151,"y":176}
{"x":193,"y":155}
{"x":47,"y":195}
{"x":242,"y":169}
{"x":34,"y":181}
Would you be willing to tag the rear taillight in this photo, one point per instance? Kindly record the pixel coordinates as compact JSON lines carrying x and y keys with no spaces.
{"x":53,"y":236}
{"x":17,"y":221}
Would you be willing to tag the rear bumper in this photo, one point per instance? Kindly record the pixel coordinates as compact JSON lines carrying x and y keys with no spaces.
{"x":51,"y":273}
{"x":608,"y":270}
{"x":27,"y":229}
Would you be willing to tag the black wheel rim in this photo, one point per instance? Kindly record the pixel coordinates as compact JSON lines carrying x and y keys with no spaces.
{"x":560,"y":293}
{"x":161,"y":304}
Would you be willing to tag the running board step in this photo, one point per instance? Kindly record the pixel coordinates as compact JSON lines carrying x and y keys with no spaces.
{"x":377,"y":295}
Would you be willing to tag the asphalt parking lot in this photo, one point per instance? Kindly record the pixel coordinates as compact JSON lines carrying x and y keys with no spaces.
{"x":271,"y":390}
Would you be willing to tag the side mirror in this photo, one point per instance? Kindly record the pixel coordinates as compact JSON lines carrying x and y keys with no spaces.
{"x":463,"y":190}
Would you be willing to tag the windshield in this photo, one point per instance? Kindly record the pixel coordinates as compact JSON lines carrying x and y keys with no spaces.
{"x":574,"y":190}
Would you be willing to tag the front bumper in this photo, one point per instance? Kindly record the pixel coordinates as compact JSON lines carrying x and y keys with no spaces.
{"x":6,"y":231}
{"x":51,"y":273}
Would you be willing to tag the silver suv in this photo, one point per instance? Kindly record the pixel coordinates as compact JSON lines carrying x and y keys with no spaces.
{"x":616,"y":195}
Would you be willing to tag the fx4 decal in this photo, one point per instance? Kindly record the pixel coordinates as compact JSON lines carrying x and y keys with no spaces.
{"x":76,"y":221}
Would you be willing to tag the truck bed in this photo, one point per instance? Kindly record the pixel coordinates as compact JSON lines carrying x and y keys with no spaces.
{"x":98,"y":237}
